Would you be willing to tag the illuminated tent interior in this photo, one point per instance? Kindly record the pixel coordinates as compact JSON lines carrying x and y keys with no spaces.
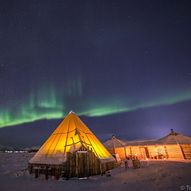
{"x":73,"y":149}
{"x":172,"y":146}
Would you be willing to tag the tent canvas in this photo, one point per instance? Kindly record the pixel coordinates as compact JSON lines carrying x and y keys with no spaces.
{"x":70,"y":136}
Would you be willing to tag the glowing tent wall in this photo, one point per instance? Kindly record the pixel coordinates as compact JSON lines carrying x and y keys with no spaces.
{"x":165,"y":148}
{"x":72,"y":149}
{"x":155,"y":151}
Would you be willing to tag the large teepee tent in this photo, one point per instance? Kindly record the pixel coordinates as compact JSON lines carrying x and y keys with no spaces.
{"x":72,"y":147}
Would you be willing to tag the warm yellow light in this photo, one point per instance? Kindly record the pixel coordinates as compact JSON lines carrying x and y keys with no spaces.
{"x":69,"y":136}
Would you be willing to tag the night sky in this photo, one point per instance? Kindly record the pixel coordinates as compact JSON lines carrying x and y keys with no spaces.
{"x":124,"y":66}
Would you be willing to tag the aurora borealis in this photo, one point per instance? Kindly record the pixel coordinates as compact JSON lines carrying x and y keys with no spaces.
{"x":48,"y":105}
{"x":97,"y":58}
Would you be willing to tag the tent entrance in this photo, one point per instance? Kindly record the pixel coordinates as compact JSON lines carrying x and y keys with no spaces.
{"x":82,"y":164}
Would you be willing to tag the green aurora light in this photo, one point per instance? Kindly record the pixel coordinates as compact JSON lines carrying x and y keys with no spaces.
{"x":48,"y":104}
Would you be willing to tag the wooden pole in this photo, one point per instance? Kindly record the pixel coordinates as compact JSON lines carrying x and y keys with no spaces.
{"x":166,"y":151}
{"x":125,"y":152}
{"x":113,"y":137}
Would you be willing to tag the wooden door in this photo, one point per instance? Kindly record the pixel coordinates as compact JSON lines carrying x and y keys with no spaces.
{"x":82,"y":164}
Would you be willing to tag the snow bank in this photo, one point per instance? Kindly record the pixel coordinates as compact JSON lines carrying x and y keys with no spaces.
{"x":152,"y":176}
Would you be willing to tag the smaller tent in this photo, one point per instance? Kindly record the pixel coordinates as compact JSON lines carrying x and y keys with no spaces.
{"x":72,"y":150}
{"x":172,"y":146}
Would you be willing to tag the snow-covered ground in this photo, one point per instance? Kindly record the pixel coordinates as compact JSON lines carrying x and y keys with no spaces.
{"x":154,"y":175}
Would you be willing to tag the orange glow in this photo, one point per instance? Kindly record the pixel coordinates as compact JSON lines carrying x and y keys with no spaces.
{"x":70,"y":136}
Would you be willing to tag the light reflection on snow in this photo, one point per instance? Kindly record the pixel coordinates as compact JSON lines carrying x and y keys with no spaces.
{"x":15,"y":151}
